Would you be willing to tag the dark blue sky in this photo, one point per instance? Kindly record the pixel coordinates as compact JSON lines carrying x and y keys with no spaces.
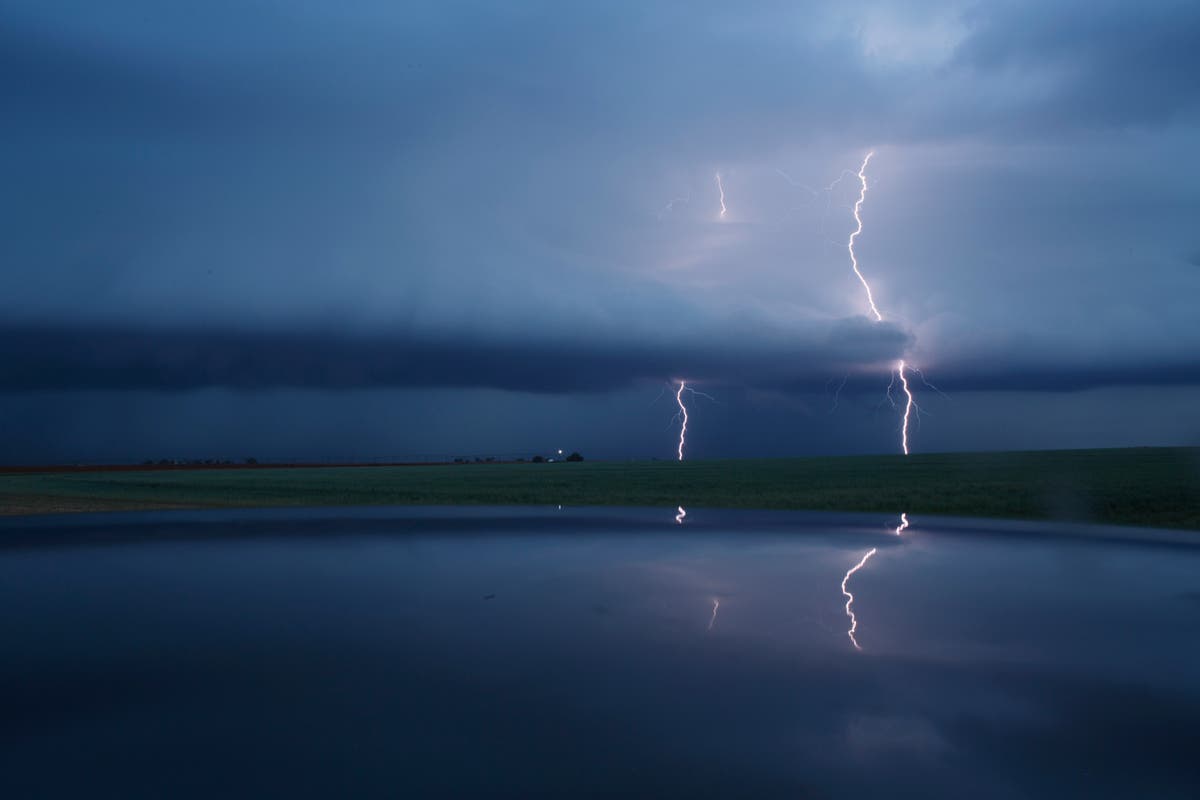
{"x":316,"y":229}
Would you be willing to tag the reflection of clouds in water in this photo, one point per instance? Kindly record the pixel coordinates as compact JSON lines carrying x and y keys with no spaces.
{"x":868,"y":735}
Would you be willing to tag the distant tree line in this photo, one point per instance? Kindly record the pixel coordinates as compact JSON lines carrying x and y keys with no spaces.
{"x":196,"y":462}
{"x":575,"y":456}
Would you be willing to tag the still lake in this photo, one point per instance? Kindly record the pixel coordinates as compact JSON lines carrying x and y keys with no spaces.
{"x":545,"y":652}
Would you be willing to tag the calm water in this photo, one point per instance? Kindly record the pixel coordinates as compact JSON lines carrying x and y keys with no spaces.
{"x":566,"y":653}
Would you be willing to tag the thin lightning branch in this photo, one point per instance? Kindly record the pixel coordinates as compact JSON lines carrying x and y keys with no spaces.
{"x":850,"y":598}
{"x":902,"y":526}
{"x":682,"y":410}
{"x":841,"y":176}
{"x":837,"y":393}
{"x":862,"y":195}
{"x":797,"y":184}
{"x":660,"y":394}
{"x":716,"y":605}
{"x":829,"y":199}
{"x":921,"y":375}
{"x":721,"y":189}
{"x":887,"y":393}
{"x":826,"y":190}
{"x":705,"y":395}
{"x":670,"y":206}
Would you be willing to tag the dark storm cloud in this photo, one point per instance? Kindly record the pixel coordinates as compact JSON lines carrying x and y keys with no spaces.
{"x":1031,"y":377}
{"x":1016,"y":375}
{"x":1107,"y":63}
{"x":59,"y":358}
{"x":705,"y":76}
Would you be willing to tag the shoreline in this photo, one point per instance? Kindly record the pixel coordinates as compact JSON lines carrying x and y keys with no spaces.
{"x":1149,"y":487}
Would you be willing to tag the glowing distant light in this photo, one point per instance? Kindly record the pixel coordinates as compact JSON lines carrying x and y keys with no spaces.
{"x":680,"y":515}
{"x":850,"y":598}
{"x":903,"y":524}
{"x":721,"y":189}
{"x":683,"y":411}
{"x":713,"y":619}
{"x":862,"y":195}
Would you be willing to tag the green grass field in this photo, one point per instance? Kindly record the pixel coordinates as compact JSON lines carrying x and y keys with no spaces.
{"x":1143,"y":486}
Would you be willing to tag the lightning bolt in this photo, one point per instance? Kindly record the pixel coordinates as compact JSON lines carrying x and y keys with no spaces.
{"x":682,"y":416}
{"x":899,"y":530}
{"x":909,"y":403}
{"x":716,"y":605}
{"x":682,"y":435}
{"x":721,"y":189}
{"x":683,"y":411}
{"x":862,"y":196}
{"x":850,"y":598}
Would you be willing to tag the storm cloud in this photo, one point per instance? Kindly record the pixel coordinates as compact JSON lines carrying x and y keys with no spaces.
{"x":476,"y":196}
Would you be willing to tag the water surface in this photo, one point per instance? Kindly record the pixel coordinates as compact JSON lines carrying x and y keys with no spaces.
{"x":565,"y":652}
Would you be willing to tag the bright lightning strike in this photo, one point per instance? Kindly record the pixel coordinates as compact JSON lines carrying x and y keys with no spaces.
{"x":683,"y":411}
{"x":862,"y":196}
{"x":908,"y":407}
{"x":682,"y":416}
{"x":721,"y":189}
{"x":909,"y":403}
{"x":899,"y":530}
{"x":850,"y":598}
{"x":682,"y":435}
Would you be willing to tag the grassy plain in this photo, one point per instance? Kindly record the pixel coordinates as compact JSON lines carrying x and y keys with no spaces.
{"x":1137,"y":486}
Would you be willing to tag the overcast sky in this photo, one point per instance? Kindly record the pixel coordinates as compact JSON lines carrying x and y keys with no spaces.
{"x":317,"y":229}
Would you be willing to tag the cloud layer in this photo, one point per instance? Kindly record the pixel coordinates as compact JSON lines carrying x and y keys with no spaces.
{"x":474,"y":195}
